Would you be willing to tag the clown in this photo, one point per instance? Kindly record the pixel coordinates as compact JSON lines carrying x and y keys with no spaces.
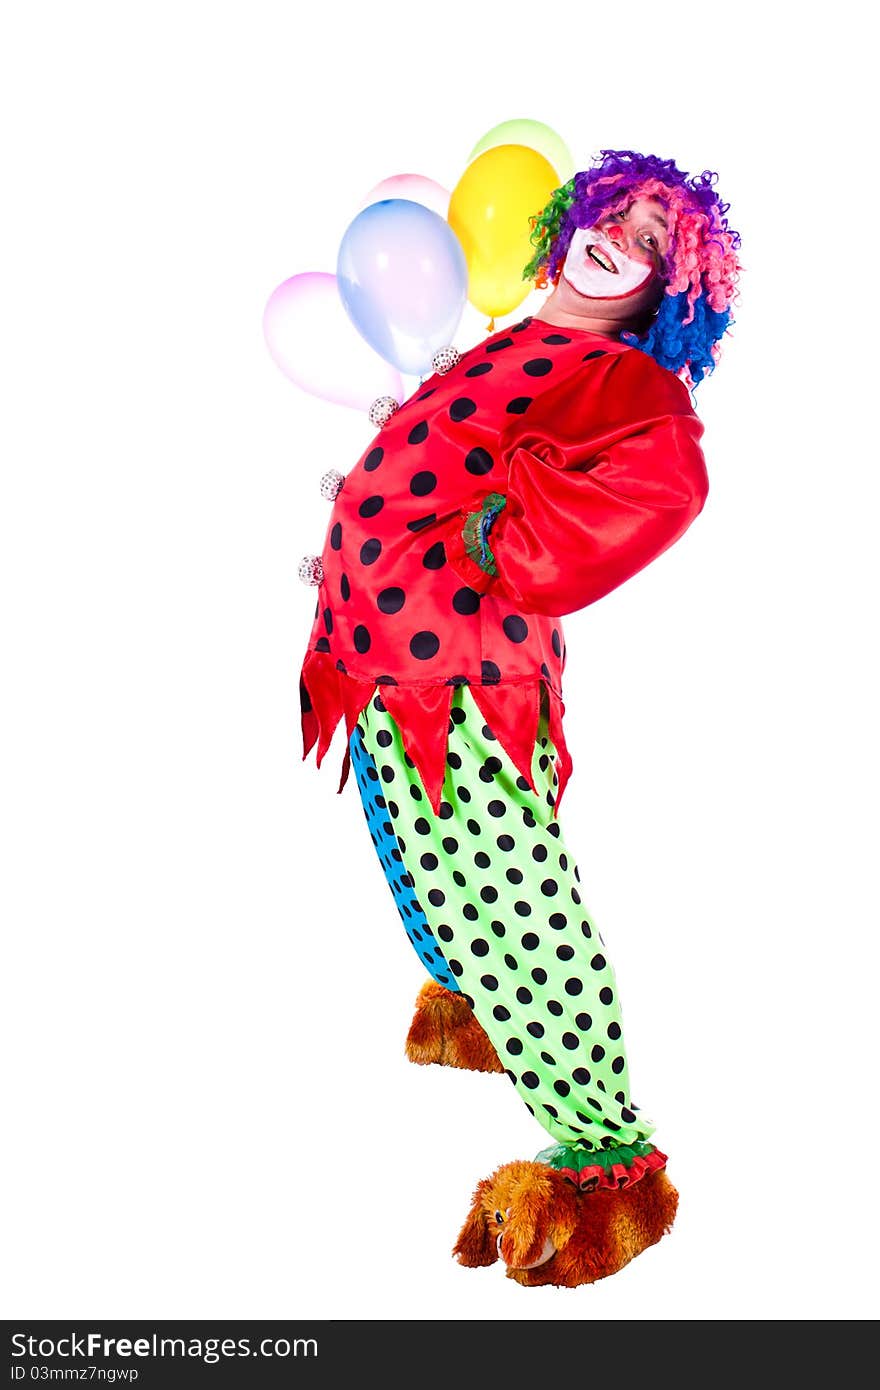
{"x":524,"y":480}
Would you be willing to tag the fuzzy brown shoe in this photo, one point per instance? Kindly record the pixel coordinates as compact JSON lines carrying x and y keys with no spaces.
{"x":445,"y":1031}
{"x":547,"y":1231}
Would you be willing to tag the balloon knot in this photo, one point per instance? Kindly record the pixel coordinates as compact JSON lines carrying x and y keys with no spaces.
{"x":490,"y":326}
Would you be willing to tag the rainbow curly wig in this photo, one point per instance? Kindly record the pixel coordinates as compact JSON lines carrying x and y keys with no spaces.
{"x":701,"y":268}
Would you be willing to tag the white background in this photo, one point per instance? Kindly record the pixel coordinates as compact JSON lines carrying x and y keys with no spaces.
{"x":208,"y":1112}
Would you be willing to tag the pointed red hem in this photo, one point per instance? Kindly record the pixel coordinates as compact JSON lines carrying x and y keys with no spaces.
{"x":511,"y":710}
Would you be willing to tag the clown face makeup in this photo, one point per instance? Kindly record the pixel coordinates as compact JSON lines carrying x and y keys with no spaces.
{"x":598,"y":269}
{"x":621,"y":254}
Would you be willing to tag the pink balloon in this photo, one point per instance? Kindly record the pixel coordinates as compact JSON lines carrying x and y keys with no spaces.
{"x":315,"y":344}
{"x":415,"y":187}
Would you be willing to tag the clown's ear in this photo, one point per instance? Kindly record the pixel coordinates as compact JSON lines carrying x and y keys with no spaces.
{"x":476,"y":1244}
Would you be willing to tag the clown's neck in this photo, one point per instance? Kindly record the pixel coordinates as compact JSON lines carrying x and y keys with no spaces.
{"x":564,"y":308}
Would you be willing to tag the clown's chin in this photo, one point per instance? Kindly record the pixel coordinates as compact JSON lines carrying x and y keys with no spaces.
{"x":547,"y":1253}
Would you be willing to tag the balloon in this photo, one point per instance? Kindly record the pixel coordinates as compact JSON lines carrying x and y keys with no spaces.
{"x":415,"y":187}
{"x":536,"y":136}
{"x":403,"y":279}
{"x":312,"y":340}
{"x":489,"y":211}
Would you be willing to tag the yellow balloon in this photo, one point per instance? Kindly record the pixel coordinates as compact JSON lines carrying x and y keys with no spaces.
{"x":489,"y":210}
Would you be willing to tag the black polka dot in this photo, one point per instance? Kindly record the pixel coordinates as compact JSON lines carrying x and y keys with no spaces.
{"x":538,"y":366}
{"x":613,"y":1031}
{"x":345,"y":587}
{"x":362,"y":639}
{"x":466,"y":601}
{"x":491,"y":674}
{"x":435,"y":557}
{"x":371,"y":506}
{"x":522,"y":908}
{"x":421,"y":522}
{"x":536,"y":1029}
{"x":322,"y":645}
{"x":480,"y":947}
{"x":373,"y":459}
{"x":461,"y":409}
{"x":555,"y":338}
{"x":390,"y":600}
{"x":370,"y":551}
{"x":555,"y":643}
{"x":418,"y":434}
{"x":519,"y":405}
{"x":488,"y":982}
{"x":530,"y":942}
{"x":554,"y":1007}
{"x":505,"y":842}
{"x":501,"y":1013}
{"x":598,"y":962}
{"x":524,"y":995}
{"x":336,"y":536}
{"x":489,"y":894}
{"x":496,"y":808}
{"x":479,"y":461}
{"x":571,"y":1041}
{"x":573,"y":986}
{"x":597,"y":1053}
{"x":539,"y":976}
{"x":425,"y":394}
{"x":436,"y":898}
{"x":584,"y":1022}
{"x":385,"y":680}
{"x":588,"y":357}
{"x":515,"y":628}
{"x":549,"y":887}
{"x":582,"y":1077}
{"x":480,"y":369}
{"x":499,"y":344}
{"x":424,"y":645}
{"x":529,"y":1079}
{"x":422,"y":483}
{"x":561,"y":1088}
{"x":328,"y":621}
{"x":617,"y":1065}
{"x":523,"y":323}
{"x":513,"y":1046}
{"x":606,"y":995}
{"x":445,"y":933}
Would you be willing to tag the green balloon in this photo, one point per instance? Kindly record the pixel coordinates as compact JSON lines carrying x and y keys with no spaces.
{"x":534,"y":135}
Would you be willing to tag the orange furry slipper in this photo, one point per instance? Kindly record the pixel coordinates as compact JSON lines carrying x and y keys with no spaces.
{"x":444,"y":1030}
{"x":547,"y":1231}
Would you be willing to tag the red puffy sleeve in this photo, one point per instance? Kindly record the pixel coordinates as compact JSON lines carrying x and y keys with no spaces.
{"x":603,"y":473}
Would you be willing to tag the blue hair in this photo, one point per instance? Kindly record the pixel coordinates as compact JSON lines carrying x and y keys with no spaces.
{"x":675,"y":344}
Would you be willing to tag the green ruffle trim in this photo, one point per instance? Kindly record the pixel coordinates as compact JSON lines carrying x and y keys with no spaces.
{"x":475,"y":532}
{"x":575,"y":1156}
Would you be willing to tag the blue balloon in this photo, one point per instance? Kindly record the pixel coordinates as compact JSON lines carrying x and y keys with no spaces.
{"x":403,"y":279}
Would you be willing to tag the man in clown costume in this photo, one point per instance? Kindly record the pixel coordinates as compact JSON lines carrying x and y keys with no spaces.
{"x":524,"y":480}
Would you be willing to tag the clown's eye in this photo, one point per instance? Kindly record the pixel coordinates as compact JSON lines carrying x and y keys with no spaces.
{"x":499,"y":1218}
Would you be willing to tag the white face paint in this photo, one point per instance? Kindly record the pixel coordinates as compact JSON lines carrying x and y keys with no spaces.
{"x":589,"y":276}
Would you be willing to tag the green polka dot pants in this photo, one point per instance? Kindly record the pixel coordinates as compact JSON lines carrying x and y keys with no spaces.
{"x":489,"y":895}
